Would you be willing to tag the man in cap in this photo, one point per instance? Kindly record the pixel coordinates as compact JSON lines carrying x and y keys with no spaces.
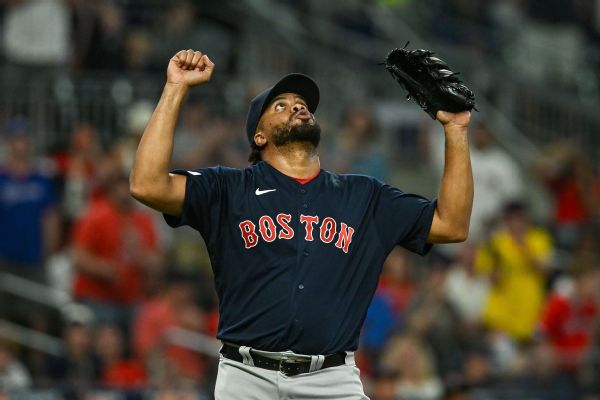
{"x":28,"y":217}
{"x":296,"y":250}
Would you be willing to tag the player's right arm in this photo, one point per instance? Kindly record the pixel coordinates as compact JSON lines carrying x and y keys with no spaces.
{"x":150,"y":181}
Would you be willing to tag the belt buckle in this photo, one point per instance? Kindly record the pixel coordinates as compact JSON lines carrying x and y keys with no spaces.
{"x":285,"y":363}
{"x":280,"y":365}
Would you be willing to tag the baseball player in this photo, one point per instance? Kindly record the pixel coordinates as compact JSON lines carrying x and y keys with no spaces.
{"x":296,"y":250}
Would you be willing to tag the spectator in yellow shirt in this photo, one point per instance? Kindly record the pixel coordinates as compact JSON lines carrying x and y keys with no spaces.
{"x":516,"y":258}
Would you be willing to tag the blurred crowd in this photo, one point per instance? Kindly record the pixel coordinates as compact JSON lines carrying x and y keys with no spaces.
{"x":512,"y":313}
{"x":129,"y":36}
{"x":525,"y":34}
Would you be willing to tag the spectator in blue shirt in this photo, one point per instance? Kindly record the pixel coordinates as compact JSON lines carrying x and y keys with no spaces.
{"x":29,"y":223}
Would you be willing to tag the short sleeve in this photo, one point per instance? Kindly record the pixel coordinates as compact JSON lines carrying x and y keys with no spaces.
{"x":202,"y":202}
{"x":403,"y":219}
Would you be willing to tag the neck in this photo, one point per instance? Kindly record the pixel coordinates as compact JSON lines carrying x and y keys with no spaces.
{"x":298,"y":160}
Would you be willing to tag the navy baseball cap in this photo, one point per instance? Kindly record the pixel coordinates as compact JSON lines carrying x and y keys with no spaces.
{"x":292,"y":83}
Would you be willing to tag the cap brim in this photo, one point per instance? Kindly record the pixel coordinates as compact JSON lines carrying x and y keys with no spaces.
{"x":299,"y":84}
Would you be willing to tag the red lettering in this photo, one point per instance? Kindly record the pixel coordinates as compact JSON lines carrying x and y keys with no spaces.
{"x":286,"y":231}
{"x":268,"y":231}
{"x":309,"y":220}
{"x":328,"y":227}
{"x":345,"y":237}
{"x":249,"y":233}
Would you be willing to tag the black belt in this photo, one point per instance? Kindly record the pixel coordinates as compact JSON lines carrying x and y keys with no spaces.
{"x":289,"y":367}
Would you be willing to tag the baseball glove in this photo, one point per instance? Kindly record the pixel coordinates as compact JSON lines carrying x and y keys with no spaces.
{"x":429,"y":81}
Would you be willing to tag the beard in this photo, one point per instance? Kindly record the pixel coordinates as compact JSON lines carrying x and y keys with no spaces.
{"x":290,"y":133}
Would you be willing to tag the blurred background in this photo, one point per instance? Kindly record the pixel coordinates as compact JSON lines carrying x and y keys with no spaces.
{"x":100,"y":300}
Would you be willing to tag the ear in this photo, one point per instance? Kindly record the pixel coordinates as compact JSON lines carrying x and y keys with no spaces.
{"x":260,"y":139}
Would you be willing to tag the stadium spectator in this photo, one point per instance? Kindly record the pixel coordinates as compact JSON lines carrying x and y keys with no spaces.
{"x":28,"y":216}
{"x":517,"y":258}
{"x":13,"y":374}
{"x":384,"y":385}
{"x":540,"y":377}
{"x":478,"y":368}
{"x":397,"y":282}
{"x":387,"y":310}
{"x":431,"y":317}
{"x":569,"y":319}
{"x":77,"y":170}
{"x":173,"y":307}
{"x":124,"y":147}
{"x":176,"y":394}
{"x":78,"y":368}
{"x":590,"y":370}
{"x":36,"y":38}
{"x":30,"y":229}
{"x":201,"y":139}
{"x":410,"y":358}
{"x":99,"y":31}
{"x":137,"y":52}
{"x":466,"y":290}
{"x":115,"y":252}
{"x":570,"y":178}
{"x":379,"y":324}
{"x":496,"y":177}
{"x":117,"y":371}
{"x":357,"y":147}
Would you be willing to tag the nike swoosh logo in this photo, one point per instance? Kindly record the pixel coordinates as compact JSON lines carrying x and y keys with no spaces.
{"x":259,"y":192}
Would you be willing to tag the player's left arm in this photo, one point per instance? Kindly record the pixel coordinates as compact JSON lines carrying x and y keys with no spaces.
{"x":455,"y":199}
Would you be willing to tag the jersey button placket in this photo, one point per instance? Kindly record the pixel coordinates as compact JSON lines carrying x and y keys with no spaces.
{"x":303,"y":198}
{"x":303,"y":206}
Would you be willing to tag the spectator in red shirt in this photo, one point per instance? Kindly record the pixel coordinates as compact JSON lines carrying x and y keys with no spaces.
{"x":570,"y":177}
{"x":115,"y":252}
{"x":173,"y":307}
{"x":569,"y":320}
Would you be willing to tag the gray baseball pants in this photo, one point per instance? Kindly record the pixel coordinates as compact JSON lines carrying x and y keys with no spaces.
{"x":243,"y":381}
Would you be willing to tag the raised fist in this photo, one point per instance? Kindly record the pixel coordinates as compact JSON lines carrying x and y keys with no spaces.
{"x":190,"y":68}
{"x":458,"y":119}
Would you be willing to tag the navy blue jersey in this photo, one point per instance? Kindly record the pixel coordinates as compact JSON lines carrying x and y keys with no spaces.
{"x":296,"y":265}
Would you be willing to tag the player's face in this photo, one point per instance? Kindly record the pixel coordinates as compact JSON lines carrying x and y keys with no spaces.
{"x":288,"y":120}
